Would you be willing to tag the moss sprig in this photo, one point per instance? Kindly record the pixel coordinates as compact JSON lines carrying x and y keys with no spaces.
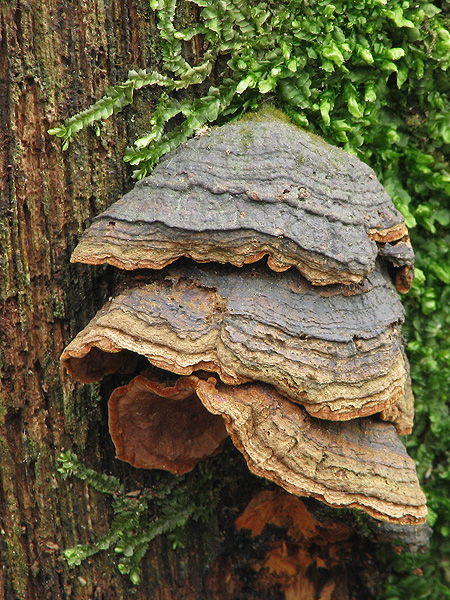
{"x":141,"y":515}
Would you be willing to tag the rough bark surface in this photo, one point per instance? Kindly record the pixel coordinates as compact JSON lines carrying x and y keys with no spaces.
{"x":56,"y":57}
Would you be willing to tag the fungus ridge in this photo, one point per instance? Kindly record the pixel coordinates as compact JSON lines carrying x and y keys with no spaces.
{"x":283,"y":193}
{"x":360,"y":464}
{"x":237,"y":329}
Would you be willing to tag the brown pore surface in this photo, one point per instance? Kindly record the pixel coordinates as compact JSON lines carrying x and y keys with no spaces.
{"x":341,"y":355}
{"x":357,"y":464}
{"x":256,"y":187}
{"x":161,"y":425}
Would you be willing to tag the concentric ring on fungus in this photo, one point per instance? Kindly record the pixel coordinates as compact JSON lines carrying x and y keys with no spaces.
{"x":341,"y":357}
{"x":306,"y":356}
{"x":354,"y":464}
{"x":254,"y":188}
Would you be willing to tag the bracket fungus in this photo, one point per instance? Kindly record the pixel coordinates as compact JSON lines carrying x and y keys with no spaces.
{"x":255,"y":188}
{"x":301,"y":366}
{"x":339,"y":354}
{"x":359,"y":463}
{"x":160,"y":425}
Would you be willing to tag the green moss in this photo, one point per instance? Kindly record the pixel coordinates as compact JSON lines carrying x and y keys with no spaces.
{"x":267,"y":111}
{"x":168,"y":507}
{"x":58,"y":308}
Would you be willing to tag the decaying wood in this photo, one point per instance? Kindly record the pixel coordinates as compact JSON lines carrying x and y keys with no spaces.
{"x":163,"y":425}
{"x":256,"y":187}
{"x":335,"y":350}
{"x":359,"y":463}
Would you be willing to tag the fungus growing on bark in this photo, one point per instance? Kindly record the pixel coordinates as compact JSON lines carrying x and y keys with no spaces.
{"x":306,"y":356}
{"x":308,"y":558}
{"x":355,"y":464}
{"x":313,"y":555}
{"x":338,"y":351}
{"x":252,"y":188}
{"x":162,"y":425}
{"x":359,"y":463}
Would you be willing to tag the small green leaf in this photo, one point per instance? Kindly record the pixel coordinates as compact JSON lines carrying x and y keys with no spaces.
{"x":128,"y":551}
{"x":370,"y":94}
{"x":333,"y":53}
{"x":292,"y":65}
{"x":430,"y":10}
{"x":387,"y":65}
{"x":267,"y":85}
{"x":442,"y":216}
{"x":395,"y":53}
{"x":354,"y":107}
{"x":366,"y":55}
{"x":442,"y":271}
{"x":58,"y":131}
{"x":325,"y":107}
{"x":248,"y":82}
{"x":397,"y":16}
{"x":419,"y":276}
{"x":135,"y":576}
{"x":402,"y":75}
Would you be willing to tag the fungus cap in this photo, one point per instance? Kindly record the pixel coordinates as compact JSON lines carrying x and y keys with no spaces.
{"x":255,"y":187}
{"x":355,"y":464}
{"x":337,"y":351}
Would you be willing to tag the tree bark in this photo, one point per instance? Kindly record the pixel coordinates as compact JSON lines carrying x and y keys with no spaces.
{"x":56,"y":57}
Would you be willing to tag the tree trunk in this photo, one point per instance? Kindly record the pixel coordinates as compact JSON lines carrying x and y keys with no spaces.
{"x":56,"y":57}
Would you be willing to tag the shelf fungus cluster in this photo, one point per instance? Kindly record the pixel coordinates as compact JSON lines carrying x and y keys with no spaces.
{"x":299,"y":358}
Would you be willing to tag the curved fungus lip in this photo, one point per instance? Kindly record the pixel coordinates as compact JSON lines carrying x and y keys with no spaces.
{"x":401,"y":414}
{"x":355,"y":464}
{"x":256,"y":187}
{"x":339,"y":354}
{"x":161,"y":425}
